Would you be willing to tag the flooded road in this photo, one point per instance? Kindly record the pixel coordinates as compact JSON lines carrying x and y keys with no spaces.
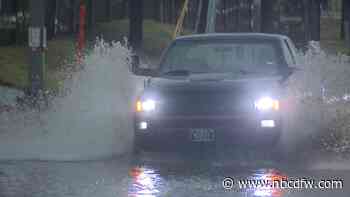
{"x":156,"y":176}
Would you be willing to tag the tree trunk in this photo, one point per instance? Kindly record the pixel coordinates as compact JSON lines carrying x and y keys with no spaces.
{"x":109,"y":10}
{"x":346,"y":22}
{"x":76,"y":10}
{"x":50,"y":18}
{"x":306,"y":19}
{"x":92,"y":12}
{"x":174,"y":11}
{"x":203,"y":17}
{"x":345,"y":17}
{"x":315,"y":15}
{"x":161,"y":11}
{"x":199,"y":12}
{"x":136,"y":23}
{"x":157,"y":9}
{"x":270,"y":16}
{"x":124,"y":8}
{"x":18,"y":30}
{"x":342,"y":32}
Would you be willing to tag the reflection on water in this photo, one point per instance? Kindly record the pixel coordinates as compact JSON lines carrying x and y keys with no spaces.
{"x":148,"y":182}
{"x":268,"y":175}
{"x":145,"y":182}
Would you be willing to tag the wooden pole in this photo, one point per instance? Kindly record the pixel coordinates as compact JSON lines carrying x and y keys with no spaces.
{"x":37,"y":45}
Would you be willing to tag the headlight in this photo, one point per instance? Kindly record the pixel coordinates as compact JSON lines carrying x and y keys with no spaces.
{"x":267,"y":103}
{"x":146,"y":105}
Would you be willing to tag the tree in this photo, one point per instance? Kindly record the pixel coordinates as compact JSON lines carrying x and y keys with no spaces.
{"x":312,"y":16}
{"x":21,"y":21}
{"x":270,"y":16}
{"x":136,"y":23}
{"x":345,"y":17}
{"x":50,"y":18}
{"x":199,"y":13}
{"x":202,"y":23}
{"x":315,"y":16}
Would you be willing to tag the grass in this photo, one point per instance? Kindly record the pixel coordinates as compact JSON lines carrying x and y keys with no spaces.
{"x":14,"y":62}
{"x":13,"y":66}
{"x":157,"y":36}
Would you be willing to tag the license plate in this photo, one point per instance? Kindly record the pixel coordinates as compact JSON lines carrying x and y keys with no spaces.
{"x":202,"y":135}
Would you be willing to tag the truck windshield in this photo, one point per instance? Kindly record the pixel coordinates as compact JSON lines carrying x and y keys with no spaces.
{"x":237,"y":56}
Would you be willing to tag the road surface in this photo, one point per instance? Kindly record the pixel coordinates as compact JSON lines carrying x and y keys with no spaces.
{"x":156,"y":175}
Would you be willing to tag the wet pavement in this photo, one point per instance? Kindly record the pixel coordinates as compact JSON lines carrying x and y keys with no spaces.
{"x":156,"y":176}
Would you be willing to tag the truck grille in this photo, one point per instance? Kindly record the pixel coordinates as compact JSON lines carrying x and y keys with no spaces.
{"x":204,"y":104}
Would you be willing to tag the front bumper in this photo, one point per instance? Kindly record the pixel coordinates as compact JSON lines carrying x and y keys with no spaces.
{"x":174,"y":132}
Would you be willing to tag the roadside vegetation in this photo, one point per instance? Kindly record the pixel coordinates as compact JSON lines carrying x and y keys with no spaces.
{"x":14,"y":62}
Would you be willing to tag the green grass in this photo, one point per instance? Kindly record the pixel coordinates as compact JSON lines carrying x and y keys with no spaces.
{"x":13,"y":66}
{"x":157,"y":36}
{"x":14,"y":62}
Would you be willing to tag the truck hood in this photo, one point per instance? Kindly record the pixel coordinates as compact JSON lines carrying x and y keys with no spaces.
{"x":214,"y":84}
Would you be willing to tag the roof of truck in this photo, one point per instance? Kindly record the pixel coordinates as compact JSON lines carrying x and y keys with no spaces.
{"x":232,"y":36}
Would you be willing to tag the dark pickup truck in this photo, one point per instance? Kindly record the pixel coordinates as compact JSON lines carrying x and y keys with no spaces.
{"x":215,"y":89}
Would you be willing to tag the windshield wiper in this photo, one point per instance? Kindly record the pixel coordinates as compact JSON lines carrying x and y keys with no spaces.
{"x":180,"y":72}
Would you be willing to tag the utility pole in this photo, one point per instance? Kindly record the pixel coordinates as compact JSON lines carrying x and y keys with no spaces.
{"x":37,"y":45}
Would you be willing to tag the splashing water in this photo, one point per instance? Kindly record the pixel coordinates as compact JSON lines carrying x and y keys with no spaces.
{"x":94,"y":120}
{"x":322,"y":73}
{"x":321,"y":89}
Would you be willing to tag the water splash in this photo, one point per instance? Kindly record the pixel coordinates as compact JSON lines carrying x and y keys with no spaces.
{"x":321,"y":73}
{"x":92,"y":121}
{"x":321,"y":94}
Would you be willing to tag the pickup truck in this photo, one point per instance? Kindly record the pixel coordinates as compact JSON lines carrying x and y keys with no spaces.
{"x":214,"y":89}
